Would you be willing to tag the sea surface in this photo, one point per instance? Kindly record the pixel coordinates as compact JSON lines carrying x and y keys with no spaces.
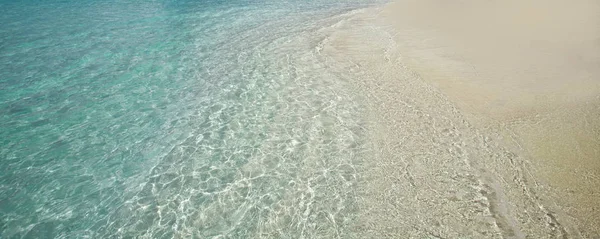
{"x":176,"y":119}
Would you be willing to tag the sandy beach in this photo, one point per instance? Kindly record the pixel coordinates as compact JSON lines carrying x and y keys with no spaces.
{"x":502,"y":97}
{"x":300,"y":119}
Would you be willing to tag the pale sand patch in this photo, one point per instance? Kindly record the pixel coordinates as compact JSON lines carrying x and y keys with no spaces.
{"x":483,"y":117}
{"x":528,"y":70}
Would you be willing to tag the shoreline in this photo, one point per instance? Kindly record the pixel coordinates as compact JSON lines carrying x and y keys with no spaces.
{"x":532,"y":67}
{"x":523,"y":122}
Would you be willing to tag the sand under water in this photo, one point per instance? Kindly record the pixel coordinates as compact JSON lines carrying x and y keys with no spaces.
{"x":299,"y":119}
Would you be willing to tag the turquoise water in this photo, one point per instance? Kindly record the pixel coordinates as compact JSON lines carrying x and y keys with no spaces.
{"x":175,"y":119}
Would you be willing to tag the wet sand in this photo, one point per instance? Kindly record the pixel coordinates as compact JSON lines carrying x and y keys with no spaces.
{"x":529,"y":70}
{"x":485,"y":116}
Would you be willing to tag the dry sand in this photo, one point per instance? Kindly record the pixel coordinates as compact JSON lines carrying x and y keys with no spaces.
{"x":485,"y":116}
{"x":525,"y":68}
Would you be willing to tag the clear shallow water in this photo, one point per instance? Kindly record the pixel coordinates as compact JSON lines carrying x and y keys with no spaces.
{"x":169,"y":119}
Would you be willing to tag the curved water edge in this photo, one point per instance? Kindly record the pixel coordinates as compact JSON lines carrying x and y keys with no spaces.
{"x":237,"y":119}
{"x":432,"y":172}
